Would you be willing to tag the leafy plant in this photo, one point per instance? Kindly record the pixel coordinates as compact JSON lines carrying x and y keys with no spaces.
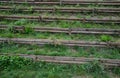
{"x":31,"y":9}
{"x":105,"y":38}
{"x":16,"y":9}
{"x":28,"y":30}
{"x":21,"y":22}
{"x":11,"y":29}
{"x":7,"y":62}
{"x":10,"y":35}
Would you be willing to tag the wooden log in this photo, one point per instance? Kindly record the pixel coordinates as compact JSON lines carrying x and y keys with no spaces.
{"x":60,"y":42}
{"x":69,"y":60}
{"x":68,"y":10}
{"x":41,"y":18}
{"x":66,"y":30}
{"x":106,"y":3}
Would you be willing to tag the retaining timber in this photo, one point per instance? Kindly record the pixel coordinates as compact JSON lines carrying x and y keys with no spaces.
{"x":65,"y":30}
{"x":69,"y":60}
{"x":61,"y":42}
{"x":48,"y":19}
{"x":63,"y":2}
{"x":65,"y":10}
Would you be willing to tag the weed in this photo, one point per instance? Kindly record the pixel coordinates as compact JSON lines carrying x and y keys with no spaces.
{"x":15,"y":62}
{"x":28,"y":30}
{"x":10,"y":35}
{"x":11,"y":29}
{"x":21,"y":67}
{"x":105,"y":38}
{"x":16,"y":9}
{"x":21,"y":22}
{"x":31,"y":9}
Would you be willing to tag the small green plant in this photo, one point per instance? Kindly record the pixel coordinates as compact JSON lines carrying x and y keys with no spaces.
{"x":11,"y":29}
{"x":31,"y":9}
{"x":16,"y":9}
{"x":21,"y":22}
{"x":28,"y":30}
{"x":10,"y":35}
{"x":105,"y":38}
{"x":77,"y":5}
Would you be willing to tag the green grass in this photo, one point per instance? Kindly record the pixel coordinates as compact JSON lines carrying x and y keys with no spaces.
{"x":62,"y":24}
{"x":16,"y":67}
{"x":52,"y":50}
{"x":60,"y":36}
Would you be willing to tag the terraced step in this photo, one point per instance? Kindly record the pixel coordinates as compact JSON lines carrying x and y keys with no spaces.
{"x":65,"y":10}
{"x":69,"y":60}
{"x":65,"y":30}
{"x":60,"y":42}
{"x":45,"y":18}
{"x":64,"y":2}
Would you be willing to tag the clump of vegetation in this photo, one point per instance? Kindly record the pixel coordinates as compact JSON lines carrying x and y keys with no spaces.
{"x":28,"y":30}
{"x":10,"y":64}
{"x":9,"y":35}
{"x":15,"y":62}
{"x":94,"y":66}
{"x":11,"y":29}
{"x":31,"y":9}
{"x":16,"y":9}
{"x":21,"y":22}
{"x":105,"y":38}
{"x":116,"y":71}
